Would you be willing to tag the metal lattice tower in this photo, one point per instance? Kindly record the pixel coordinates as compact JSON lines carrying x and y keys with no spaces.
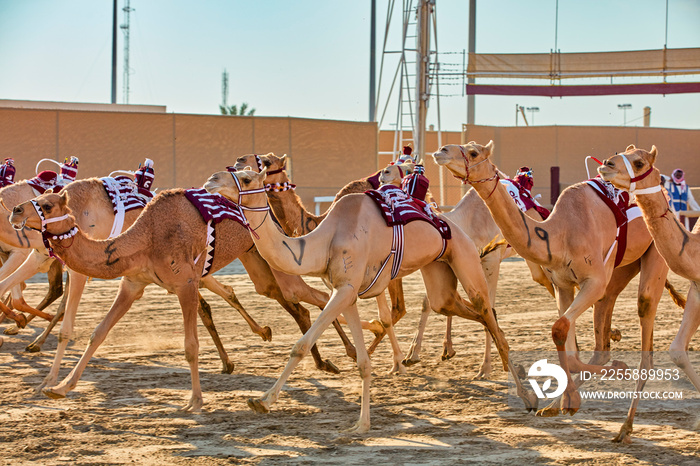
{"x":417,"y":65}
{"x":127,"y":70}
{"x":224,"y":89}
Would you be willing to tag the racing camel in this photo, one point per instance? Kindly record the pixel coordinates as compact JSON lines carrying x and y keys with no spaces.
{"x":576,"y":246}
{"x":348,"y":250}
{"x":470,"y":214}
{"x":160,"y":247}
{"x":679,"y":247}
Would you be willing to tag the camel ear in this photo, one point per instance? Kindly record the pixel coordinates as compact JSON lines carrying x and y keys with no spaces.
{"x":652,"y":154}
{"x":630,"y":147}
{"x":263,"y":173}
{"x":489,"y":148}
{"x":63,"y":198}
{"x":283,"y":159}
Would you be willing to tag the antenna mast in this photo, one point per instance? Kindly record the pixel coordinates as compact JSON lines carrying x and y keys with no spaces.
{"x":125,"y":28}
{"x":224,"y":89}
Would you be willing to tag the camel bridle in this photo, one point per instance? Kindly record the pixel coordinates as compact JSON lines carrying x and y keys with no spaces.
{"x":466,"y":180}
{"x":46,"y":235}
{"x":634,"y":179}
{"x":242,"y":208}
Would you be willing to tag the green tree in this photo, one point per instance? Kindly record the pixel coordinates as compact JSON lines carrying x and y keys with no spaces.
{"x":234,"y":110}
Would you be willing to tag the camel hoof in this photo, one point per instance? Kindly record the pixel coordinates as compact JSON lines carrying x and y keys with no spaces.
{"x":266,"y":334}
{"x":49,"y":391}
{"x":619,"y":365}
{"x":623,"y":437}
{"x":615,"y":334}
{"x":227,"y":369}
{"x":328,"y":366}
{"x":257,"y":406}
{"x":448,"y":354}
{"x":32,"y":348}
{"x":549,"y":411}
{"x":14,"y":330}
{"x":408,"y":362}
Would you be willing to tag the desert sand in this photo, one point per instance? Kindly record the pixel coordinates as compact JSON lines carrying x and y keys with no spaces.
{"x":124,"y":410}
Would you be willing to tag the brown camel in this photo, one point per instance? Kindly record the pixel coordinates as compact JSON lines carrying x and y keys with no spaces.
{"x":141,"y":256}
{"x":470,"y":214}
{"x":572,"y":245}
{"x":677,"y":246}
{"x":348,"y":250}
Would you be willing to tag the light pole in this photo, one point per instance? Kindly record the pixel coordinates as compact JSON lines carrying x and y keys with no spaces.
{"x":532,"y":110}
{"x":624,"y":108}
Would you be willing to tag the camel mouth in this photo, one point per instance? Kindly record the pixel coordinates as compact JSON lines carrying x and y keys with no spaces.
{"x":20,"y":226}
{"x":211,"y":187}
{"x":440,"y":157}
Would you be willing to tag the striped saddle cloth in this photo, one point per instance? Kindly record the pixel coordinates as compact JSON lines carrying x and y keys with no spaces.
{"x":398,"y":208}
{"x":123,"y":191}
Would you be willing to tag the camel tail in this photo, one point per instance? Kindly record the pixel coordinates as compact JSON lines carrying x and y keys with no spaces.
{"x":677,"y":298}
{"x":494,"y":244}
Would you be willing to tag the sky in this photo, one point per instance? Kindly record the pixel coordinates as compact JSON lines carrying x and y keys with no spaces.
{"x":311,"y":58}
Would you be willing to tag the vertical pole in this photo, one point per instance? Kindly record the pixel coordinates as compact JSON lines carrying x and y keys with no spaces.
{"x":554,"y":186}
{"x":422,"y":64}
{"x":471,"y":107}
{"x":114,"y":52}
{"x":372,"y":61}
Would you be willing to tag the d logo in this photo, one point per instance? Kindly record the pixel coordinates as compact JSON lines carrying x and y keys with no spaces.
{"x":542,"y":369}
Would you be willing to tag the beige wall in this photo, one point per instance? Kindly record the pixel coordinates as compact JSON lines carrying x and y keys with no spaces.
{"x":186,"y":149}
{"x":541,"y":147}
{"x":325,"y":154}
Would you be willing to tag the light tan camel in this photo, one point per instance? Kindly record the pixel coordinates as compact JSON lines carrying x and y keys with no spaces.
{"x":161,"y":248}
{"x":347,"y":250}
{"x":572,"y":246}
{"x":470,"y":214}
{"x":16,"y":246}
{"x":679,"y":247}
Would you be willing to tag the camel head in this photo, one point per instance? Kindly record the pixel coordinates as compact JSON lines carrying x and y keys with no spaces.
{"x":394,"y":173}
{"x":631,"y":169}
{"x":465,"y":161}
{"x":50,"y":211}
{"x":231,"y":184}
{"x":258,"y":162}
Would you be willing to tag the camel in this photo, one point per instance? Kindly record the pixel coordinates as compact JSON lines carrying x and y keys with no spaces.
{"x":677,"y":246}
{"x":16,"y":247}
{"x":160,"y":247}
{"x":348,"y":250}
{"x":470,"y":214}
{"x":572,"y":245}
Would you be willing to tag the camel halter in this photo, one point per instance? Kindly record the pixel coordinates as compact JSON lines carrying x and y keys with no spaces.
{"x":243,"y":208}
{"x":634,"y":179}
{"x":45,"y":235}
{"x":466,"y":179}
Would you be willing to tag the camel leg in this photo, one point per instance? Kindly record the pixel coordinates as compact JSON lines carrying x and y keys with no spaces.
{"x":204,"y":311}
{"x":689,"y":325}
{"x":28,"y":269}
{"x":564,"y":332}
{"x":364,"y":365}
{"x":266,"y":281}
{"x":491,"y":267}
{"x":129,"y":291}
{"x":414,"y":351}
{"x":229,"y":296}
{"x":375,"y":326}
{"x":55,"y":276}
{"x":447,"y":351}
{"x":386,"y":318}
{"x":341,"y":298}
{"x":603,"y":311}
{"x":189,"y":302}
{"x":651,"y":287}
{"x":75,"y":292}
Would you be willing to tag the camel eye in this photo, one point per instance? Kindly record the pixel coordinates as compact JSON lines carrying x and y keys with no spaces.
{"x":638,"y":164}
{"x":472,"y":153}
{"x":267,"y":163}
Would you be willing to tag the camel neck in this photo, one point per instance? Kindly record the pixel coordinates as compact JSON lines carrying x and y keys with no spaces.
{"x":292,"y":214}
{"x":527,"y":236}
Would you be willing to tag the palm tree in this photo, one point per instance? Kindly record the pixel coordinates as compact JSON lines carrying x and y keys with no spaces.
{"x":234,"y":110}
